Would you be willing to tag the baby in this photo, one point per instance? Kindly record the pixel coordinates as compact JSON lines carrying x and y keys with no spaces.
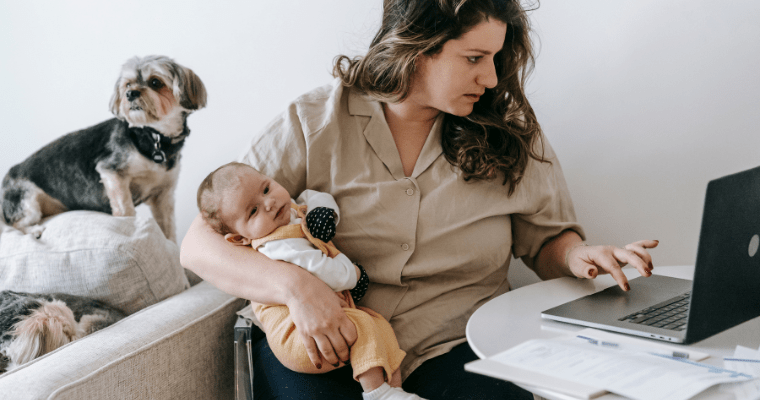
{"x":251,"y":209}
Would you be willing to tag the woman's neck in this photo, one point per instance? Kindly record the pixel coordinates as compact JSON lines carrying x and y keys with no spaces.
{"x":410,"y":125}
{"x":410,"y":112}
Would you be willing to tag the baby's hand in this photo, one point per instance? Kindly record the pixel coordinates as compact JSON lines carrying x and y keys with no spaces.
{"x":321,"y":223}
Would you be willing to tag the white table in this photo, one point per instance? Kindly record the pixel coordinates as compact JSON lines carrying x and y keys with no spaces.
{"x":515,"y":317}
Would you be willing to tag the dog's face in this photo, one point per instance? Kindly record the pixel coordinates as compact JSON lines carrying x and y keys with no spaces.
{"x":157,"y":92}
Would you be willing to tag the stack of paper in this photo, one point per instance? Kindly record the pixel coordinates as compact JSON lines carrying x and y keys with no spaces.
{"x":746,"y":361}
{"x":634,"y":371}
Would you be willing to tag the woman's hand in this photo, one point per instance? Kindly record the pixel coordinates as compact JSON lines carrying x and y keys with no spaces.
{"x":589,"y":261}
{"x":242,"y":272}
{"x":325,"y":330}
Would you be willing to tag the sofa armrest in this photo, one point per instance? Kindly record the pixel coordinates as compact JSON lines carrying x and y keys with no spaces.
{"x":179,"y":348}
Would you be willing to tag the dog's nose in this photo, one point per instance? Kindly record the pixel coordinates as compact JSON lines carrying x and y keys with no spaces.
{"x":133,"y":94}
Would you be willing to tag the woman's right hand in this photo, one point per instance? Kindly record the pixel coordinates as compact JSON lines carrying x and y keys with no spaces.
{"x":325,"y":330}
{"x":240,"y":271}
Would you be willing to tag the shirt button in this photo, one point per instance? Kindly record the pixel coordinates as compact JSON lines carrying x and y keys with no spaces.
{"x":410,"y":191}
{"x":405,"y":246}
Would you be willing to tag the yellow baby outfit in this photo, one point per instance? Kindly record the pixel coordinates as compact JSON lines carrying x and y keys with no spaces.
{"x":375,"y":346}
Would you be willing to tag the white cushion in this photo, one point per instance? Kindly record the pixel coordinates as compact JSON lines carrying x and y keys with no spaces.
{"x":124,"y":261}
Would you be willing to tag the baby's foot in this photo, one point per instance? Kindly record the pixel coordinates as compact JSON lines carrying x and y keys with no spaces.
{"x":385,"y":392}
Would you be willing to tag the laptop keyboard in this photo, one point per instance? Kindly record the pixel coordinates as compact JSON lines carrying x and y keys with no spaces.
{"x":670,"y":314}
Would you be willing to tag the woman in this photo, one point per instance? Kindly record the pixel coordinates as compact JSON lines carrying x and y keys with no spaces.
{"x":435,"y":158}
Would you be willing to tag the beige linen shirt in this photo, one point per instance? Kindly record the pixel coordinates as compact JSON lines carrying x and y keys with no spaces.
{"x":434,"y":246}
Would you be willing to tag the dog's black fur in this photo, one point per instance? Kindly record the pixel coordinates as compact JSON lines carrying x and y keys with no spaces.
{"x":75,"y":156}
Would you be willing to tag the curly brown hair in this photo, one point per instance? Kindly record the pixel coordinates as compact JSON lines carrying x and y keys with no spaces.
{"x":501,"y":133}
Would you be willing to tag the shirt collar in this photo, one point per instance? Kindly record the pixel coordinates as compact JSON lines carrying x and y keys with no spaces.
{"x":379,"y":136}
{"x":361,"y":104}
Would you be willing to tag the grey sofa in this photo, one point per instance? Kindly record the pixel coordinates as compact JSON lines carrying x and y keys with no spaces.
{"x":179,"y":348}
{"x":176,"y":343}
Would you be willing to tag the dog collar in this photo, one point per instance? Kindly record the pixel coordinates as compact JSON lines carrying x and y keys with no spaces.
{"x":158,"y":155}
{"x":155,"y":146}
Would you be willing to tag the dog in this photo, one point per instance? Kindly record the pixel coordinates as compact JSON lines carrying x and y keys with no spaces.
{"x":118,"y":164}
{"x":32,"y":325}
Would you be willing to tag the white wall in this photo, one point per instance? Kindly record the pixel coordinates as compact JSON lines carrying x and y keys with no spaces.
{"x":644,"y":101}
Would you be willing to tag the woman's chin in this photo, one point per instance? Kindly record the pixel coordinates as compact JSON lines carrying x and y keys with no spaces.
{"x":461,"y":111}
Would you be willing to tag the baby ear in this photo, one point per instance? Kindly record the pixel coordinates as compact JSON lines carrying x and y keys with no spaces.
{"x":192,"y":92}
{"x":236,"y":239}
{"x":116,"y":100}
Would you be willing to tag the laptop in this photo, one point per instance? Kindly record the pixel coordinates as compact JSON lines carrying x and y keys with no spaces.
{"x":725,"y":290}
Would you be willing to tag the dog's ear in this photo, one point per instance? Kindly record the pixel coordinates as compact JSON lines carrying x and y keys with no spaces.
{"x":115,"y":103}
{"x":192,"y":92}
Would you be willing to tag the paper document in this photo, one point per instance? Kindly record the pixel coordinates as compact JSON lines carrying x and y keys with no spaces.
{"x":641,"y":376}
{"x":641,"y":345}
{"x":528,"y":379}
{"x":747,"y":361}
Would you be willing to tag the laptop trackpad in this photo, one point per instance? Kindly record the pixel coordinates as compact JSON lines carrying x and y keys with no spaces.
{"x":611,"y":304}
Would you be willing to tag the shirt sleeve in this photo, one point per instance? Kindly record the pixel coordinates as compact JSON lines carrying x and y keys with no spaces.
{"x":338,"y":273}
{"x":314,"y":199}
{"x":551,"y":209}
{"x":279,"y":151}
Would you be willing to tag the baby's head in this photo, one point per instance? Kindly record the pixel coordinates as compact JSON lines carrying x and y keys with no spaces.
{"x":242,"y":204}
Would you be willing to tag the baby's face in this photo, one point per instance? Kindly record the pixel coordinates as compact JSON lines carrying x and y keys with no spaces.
{"x":255,"y":206}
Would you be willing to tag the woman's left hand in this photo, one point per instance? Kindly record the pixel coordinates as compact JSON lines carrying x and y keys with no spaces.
{"x":590,"y":261}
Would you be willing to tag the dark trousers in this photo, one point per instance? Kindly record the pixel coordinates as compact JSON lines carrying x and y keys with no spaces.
{"x":442,"y":377}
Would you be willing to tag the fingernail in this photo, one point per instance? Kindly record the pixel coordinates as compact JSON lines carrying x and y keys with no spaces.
{"x":657,"y":241}
{"x":627,"y":287}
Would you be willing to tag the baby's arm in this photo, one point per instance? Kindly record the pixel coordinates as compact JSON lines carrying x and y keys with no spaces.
{"x":339,"y":273}
{"x":314,"y":199}
{"x":321,"y":219}
{"x":322,"y":214}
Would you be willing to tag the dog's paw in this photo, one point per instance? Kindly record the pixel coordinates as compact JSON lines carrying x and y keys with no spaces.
{"x":4,"y":362}
{"x":35,"y":230}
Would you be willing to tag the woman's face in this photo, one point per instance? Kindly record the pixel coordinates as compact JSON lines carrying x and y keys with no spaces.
{"x":453,"y":80}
